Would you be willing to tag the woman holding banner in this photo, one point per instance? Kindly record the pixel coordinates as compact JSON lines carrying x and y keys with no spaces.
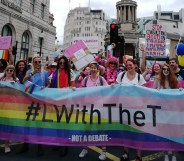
{"x":9,"y":76}
{"x":62,"y":77}
{"x":94,"y":79}
{"x":166,"y":80}
{"x":130,"y":77}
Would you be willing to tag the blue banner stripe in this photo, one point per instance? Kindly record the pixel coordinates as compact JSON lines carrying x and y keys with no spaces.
{"x":145,"y":137}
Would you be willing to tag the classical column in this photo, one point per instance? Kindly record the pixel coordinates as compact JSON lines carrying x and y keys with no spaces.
{"x":121,"y":13}
{"x":124,"y":14}
{"x":129,"y":14}
{"x":117,"y":13}
{"x":133,"y":13}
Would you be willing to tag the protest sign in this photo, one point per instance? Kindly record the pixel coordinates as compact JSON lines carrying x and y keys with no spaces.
{"x":5,"y":42}
{"x":155,"y":40}
{"x":91,"y":42}
{"x":79,"y":54}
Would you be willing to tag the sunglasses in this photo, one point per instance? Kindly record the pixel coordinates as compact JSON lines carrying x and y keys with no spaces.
{"x":10,"y":70}
{"x":61,"y":63}
{"x":37,"y":62}
{"x":167,"y":69}
{"x":112,"y":63}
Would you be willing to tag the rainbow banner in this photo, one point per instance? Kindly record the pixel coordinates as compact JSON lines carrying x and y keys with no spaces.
{"x":4,"y":54}
{"x":120,"y":115}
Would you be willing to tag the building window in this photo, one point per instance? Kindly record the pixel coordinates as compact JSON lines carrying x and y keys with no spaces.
{"x":6,"y":31}
{"x":42,"y":10}
{"x":32,"y":3}
{"x":24,"y":46}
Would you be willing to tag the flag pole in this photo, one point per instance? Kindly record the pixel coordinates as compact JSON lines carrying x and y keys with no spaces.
{"x":69,"y":2}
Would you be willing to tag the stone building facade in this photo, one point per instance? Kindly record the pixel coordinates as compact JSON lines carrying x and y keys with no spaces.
{"x":30,"y":24}
{"x":83,"y":23}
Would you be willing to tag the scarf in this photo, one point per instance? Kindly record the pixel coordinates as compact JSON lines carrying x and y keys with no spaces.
{"x":59,"y":79}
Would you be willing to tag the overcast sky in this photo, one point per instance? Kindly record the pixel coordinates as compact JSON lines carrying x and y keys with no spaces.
{"x":60,"y":9}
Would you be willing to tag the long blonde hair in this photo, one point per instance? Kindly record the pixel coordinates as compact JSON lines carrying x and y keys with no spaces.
{"x":14,"y":73}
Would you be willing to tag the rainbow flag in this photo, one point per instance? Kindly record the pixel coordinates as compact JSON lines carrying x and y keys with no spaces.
{"x":29,"y":87}
{"x":122,"y":115}
{"x":4,"y":54}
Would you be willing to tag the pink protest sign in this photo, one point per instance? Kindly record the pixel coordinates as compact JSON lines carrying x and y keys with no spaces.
{"x":5,"y":42}
{"x":74,"y":48}
{"x":79,"y":54}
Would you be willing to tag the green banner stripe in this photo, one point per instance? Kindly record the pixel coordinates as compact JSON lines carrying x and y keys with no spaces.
{"x":63,"y":125}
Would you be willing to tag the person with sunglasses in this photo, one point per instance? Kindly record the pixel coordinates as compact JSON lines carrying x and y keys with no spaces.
{"x":167,"y":80}
{"x":111,"y":71}
{"x":62,"y":77}
{"x":9,"y":76}
{"x":37,"y":75}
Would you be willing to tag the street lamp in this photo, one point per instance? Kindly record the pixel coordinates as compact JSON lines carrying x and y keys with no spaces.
{"x":41,"y":41}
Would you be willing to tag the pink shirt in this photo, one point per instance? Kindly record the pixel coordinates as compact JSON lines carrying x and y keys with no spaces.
{"x":92,"y":83}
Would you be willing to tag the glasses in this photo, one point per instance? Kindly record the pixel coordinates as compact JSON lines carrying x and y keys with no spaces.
{"x":167,"y":69}
{"x":61,"y":63}
{"x":37,"y":62}
{"x":10,"y":70}
{"x":53,"y":66}
{"x":113,"y":63}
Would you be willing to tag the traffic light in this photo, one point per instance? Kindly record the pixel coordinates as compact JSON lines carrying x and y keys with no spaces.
{"x":113,"y":33}
{"x":14,"y":50}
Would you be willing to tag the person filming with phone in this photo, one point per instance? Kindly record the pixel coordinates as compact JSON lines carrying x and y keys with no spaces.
{"x":37,"y":75}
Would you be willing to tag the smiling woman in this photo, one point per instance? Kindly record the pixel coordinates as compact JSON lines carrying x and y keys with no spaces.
{"x":166,"y":79}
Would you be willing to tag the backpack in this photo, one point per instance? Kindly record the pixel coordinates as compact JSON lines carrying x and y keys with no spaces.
{"x":86,"y":79}
{"x":123,"y":74}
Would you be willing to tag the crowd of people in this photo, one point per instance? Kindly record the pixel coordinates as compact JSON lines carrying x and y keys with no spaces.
{"x":101,"y":72}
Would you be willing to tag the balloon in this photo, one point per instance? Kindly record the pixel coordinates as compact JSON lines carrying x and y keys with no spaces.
{"x":181,"y":60}
{"x":180,"y":49}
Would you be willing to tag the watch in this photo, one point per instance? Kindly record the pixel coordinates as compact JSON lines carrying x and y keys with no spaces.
{"x":31,"y":74}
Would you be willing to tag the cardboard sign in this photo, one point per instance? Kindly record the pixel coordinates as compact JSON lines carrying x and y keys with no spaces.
{"x":155,"y":40}
{"x":5,"y":42}
{"x":79,"y":54}
{"x":91,"y":42}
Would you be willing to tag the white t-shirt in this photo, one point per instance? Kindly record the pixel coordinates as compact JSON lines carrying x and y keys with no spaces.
{"x":127,"y":81}
{"x":1,"y":75}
